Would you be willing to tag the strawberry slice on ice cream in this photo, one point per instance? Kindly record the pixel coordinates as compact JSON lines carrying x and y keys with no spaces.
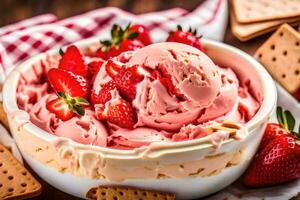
{"x":72,"y":61}
{"x":71,"y":90}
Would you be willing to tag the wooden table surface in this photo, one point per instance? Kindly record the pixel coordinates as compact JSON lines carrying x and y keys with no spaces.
{"x":11,"y":11}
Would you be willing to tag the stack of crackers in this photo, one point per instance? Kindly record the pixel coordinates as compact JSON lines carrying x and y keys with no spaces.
{"x":250,"y":19}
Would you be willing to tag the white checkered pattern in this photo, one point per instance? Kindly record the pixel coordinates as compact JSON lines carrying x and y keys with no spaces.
{"x":29,"y":37}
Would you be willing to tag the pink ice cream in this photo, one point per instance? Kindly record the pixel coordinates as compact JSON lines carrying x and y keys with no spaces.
{"x":206,"y":93}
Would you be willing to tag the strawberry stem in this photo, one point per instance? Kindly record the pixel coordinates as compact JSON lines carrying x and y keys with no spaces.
{"x":286,"y":119}
{"x":61,"y":52}
{"x":74,"y":103}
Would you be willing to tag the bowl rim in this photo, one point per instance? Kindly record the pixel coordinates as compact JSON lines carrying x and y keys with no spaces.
{"x":264,"y":112}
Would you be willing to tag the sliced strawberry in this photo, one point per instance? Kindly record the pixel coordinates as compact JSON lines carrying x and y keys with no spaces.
{"x":165,"y":78}
{"x":126,"y":81}
{"x":60,"y":108}
{"x":65,"y":106}
{"x":66,"y":82}
{"x":186,"y":37}
{"x":72,"y":61}
{"x":113,"y":68}
{"x":94,"y":67}
{"x":104,"y":94}
{"x":120,"y":113}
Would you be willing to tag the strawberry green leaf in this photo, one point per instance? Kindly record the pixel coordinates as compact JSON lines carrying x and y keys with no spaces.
{"x":82,"y":101}
{"x":179,"y":28}
{"x":279,"y":114}
{"x":290,"y":120}
{"x":106,"y":43}
{"x":195,"y":32}
{"x":62,"y":95}
{"x":115,"y":31}
{"x":61,"y":52}
{"x":128,"y":26}
{"x":132,"y":35}
{"x":79,"y":110}
{"x":296,"y":135}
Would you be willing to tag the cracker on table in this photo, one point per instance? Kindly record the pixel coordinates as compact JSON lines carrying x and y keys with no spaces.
{"x":280,"y":55}
{"x":15,"y":181}
{"x":246,"y":32}
{"x":124,"y":193}
{"x":247,"y":11}
{"x":3,"y":117}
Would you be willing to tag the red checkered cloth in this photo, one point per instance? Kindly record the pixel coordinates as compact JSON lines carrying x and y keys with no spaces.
{"x":32,"y":36}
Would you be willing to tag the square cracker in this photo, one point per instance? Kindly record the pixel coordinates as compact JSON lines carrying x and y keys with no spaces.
{"x":15,"y":181}
{"x":280,"y":55}
{"x":246,"y":32}
{"x":124,"y":193}
{"x":247,"y":11}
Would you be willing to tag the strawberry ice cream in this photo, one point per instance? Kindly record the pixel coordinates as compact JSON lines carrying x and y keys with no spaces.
{"x":164,"y":92}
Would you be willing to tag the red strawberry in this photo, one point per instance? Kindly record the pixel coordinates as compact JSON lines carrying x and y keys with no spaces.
{"x":104,"y":94}
{"x":67,"y":82}
{"x":126,"y":81}
{"x":272,"y":131}
{"x":113,"y":68}
{"x":72,"y":61}
{"x":130,"y":45}
{"x":120,"y":113}
{"x":277,"y":163}
{"x":107,"y":51}
{"x":186,"y":37}
{"x":94,"y":67}
{"x":121,"y":40}
{"x":165,"y":78}
{"x":72,"y":90}
{"x":60,"y":108}
{"x":278,"y":160}
{"x":143,"y":33}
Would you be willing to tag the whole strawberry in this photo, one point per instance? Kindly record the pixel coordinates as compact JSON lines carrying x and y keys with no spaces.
{"x":278,"y":159}
{"x":143,"y":33}
{"x":122,"y":40}
{"x":186,"y":37}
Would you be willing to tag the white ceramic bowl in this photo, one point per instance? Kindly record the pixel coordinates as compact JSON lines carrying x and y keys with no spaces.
{"x":63,"y":163}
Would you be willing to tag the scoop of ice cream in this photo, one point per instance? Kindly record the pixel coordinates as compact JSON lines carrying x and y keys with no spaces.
{"x":205,"y":91}
{"x":42,"y":117}
{"x":84,"y":130}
